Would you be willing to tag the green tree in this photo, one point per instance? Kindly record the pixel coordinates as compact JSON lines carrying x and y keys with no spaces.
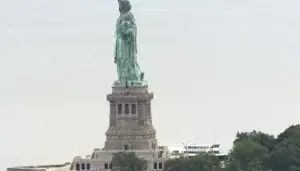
{"x":202,"y":162}
{"x":177,"y":164}
{"x":264,"y":139}
{"x":205,"y":162}
{"x":125,"y":161}
{"x":256,"y":151}
{"x":248,"y":155}
{"x":286,"y":153}
{"x":291,"y":132}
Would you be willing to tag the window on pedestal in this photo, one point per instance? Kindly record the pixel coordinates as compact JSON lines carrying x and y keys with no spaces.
{"x":126,"y":108}
{"x":160,"y":166}
{"x":88,"y":166}
{"x":149,"y":108}
{"x":82,"y":166}
{"x":120,"y":108}
{"x":160,"y":154}
{"x":126,"y":147}
{"x":77,"y":167}
{"x":153,"y":146}
{"x":110,"y":166}
{"x":105,"y":166}
{"x":133,"y":109}
{"x":155,"y":166}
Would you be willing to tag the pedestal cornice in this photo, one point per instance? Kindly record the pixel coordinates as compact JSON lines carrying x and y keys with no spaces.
{"x":130,"y":97}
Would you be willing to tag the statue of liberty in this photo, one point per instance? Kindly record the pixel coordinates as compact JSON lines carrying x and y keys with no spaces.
{"x":128,"y":69}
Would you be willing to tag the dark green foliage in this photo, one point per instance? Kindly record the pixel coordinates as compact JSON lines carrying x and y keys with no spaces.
{"x":203,"y":162}
{"x":252,"y":151}
{"x":286,"y":154}
{"x":291,"y":132}
{"x":248,"y":155}
{"x":124,"y":161}
{"x":257,"y":151}
{"x":265,"y":140}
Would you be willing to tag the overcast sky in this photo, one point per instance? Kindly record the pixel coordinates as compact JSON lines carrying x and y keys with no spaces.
{"x":216,"y":67}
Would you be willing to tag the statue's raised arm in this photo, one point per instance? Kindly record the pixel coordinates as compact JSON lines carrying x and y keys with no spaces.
{"x":129,"y":72}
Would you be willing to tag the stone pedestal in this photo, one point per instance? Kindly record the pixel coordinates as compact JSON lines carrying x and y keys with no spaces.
{"x":130,"y":121}
{"x":130,"y":129}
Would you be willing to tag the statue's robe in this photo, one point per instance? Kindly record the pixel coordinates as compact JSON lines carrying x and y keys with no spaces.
{"x":126,"y":49}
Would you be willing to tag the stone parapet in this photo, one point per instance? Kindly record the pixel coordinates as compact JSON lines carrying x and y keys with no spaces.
{"x":132,"y":90}
{"x":132,"y":133}
{"x":130,"y":97}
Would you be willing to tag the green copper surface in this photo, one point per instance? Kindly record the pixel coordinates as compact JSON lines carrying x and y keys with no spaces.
{"x":128,"y":69}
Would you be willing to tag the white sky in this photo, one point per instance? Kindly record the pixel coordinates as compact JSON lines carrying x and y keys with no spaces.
{"x":216,"y":67}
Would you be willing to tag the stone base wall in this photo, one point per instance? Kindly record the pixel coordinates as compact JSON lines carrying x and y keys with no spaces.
{"x":56,"y":167}
{"x":101,"y":159}
{"x":25,"y":169}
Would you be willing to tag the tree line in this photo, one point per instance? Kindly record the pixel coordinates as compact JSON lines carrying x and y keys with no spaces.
{"x":251,"y":151}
